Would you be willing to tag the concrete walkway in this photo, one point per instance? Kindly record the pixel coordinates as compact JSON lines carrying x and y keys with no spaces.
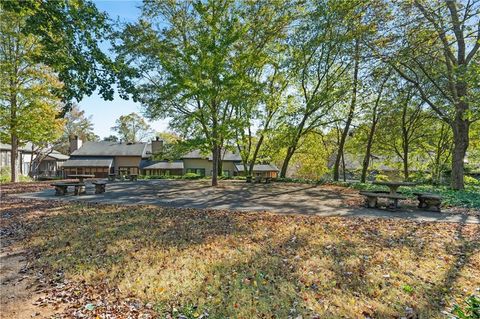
{"x":275,"y":197}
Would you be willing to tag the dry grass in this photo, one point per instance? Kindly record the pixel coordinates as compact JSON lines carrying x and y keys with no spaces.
{"x":257,"y":265}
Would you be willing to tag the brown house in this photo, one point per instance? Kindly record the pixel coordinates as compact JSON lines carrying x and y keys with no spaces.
{"x":103,"y":158}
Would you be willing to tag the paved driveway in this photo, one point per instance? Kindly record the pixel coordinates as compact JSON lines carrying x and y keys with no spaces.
{"x":275,"y":197}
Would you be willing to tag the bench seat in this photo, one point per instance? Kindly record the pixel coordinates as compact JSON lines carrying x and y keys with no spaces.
{"x":62,"y":188}
{"x":99,"y":186}
{"x":427,"y":201}
{"x":372,"y":198}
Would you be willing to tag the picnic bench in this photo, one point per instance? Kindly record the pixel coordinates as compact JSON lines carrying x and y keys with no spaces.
{"x":99,"y":186}
{"x":372,"y":198}
{"x":62,"y":188}
{"x":427,"y":200}
{"x":266,"y":180}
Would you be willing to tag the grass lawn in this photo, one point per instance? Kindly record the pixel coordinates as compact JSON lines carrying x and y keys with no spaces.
{"x":185,"y":262}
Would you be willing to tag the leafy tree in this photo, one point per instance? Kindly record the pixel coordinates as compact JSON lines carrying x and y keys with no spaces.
{"x":434,"y":45}
{"x":76,"y":124}
{"x":28,"y":109}
{"x":318,"y":69}
{"x":70,"y":33}
{"x":194,"y":60}
{"x":111,"y":138}
{"x":132,"y":128}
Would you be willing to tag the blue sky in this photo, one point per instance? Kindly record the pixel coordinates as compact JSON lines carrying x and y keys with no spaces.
{"x":104,"y":113}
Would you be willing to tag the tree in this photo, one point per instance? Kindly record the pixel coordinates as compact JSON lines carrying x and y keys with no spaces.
{"x":375,"y":115}
{"x":318,"y":68}
{"x":111,"y":138}
{"x":28,"y":109}
{"x":69,"y":33}
{"x":76,"y":124}
{"x":132,"y":128}
{"x":403,"y":128}
{"x":434,"y":45}
{"x":196,"y":63}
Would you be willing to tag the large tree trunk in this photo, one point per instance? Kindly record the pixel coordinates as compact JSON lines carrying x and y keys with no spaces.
{"x":255,"y":154}
{"x":215,"y":160}
{"x":286,"y":162}
{"x":460,"y":141}
{"x":368,"y":151}
{"x":14,"y":159}
{"x":405,"y":164}
{"x":350,"y":113}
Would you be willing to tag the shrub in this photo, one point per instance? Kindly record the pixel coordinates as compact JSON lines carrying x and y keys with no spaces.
{"x":5,"y":176}
{"x":471,"y":181}
{"x":471,"y":311}
{"x":382,"y":178}
{"x":192,"y":176}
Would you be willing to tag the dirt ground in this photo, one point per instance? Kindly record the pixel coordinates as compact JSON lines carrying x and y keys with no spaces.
{"x":22,"y":292}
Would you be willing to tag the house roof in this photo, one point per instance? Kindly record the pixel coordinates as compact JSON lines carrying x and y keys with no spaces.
{"x":89,"y":162}
{"x":226,"y":156}
{"x":161,"y":165}
{"x":28,"y":149}
{"x":105,"y":148}
{"x":259,"y":168}
{"x":58,"y":156}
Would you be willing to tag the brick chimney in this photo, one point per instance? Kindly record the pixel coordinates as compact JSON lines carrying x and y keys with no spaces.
{"x":157,"y":146}
{"x":75,"y":144}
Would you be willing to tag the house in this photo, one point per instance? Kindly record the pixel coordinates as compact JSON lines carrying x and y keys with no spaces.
{"x":264,"y":170}
{"x":42,"y":162}
{"x":103,"y":158}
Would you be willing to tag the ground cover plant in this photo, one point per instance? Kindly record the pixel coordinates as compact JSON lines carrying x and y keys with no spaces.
{"x":185,"y":262}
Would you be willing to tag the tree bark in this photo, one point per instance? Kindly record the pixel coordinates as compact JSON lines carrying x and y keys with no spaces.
{"x":350,"y":113}
{"x":215,"y":159}
{"x":288,"y":157}
{"x":460,"y":138}
{"x":14,"y":159}
{"x":368,"y":152}
{"x":255,"y":154}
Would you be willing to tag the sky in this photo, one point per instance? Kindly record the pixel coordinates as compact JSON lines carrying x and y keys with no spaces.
{"x":104,"y":113}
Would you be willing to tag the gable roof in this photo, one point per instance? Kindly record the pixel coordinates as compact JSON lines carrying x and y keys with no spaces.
{"x":161,"y":165}
{"x":259,"y":168}
{"x":89,"y":162}
{"x":111,"y":149}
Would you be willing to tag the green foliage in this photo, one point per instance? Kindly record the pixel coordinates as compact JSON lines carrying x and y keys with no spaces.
{"x":70,"y":33}
{"x":5,"y":176}
{"x":192,"y":176}
{"x":132,"y":128}
{"x":471,"y":181}
{"x":471,"y":310}
{"x":382,"y":178}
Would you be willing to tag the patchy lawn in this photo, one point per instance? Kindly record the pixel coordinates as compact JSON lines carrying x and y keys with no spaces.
{"x":173,"y":262}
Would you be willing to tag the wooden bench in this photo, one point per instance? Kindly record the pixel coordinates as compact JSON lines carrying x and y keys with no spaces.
{"x":62,"y":188}
{"x":427,"y":200}
{"x":99,"y":187}
{"x":372,"y":198}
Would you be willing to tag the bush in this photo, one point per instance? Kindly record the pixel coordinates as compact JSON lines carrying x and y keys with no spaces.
{"x":471,"y":311}
{"x":471,"y":181}
{"x":382,"y":178}
{"x":5,"y":176}
{"x":192,"y":176}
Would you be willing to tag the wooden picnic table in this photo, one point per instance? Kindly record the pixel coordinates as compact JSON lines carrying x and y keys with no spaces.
{"x":81,"y":177}
{"x":394,"y":185}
